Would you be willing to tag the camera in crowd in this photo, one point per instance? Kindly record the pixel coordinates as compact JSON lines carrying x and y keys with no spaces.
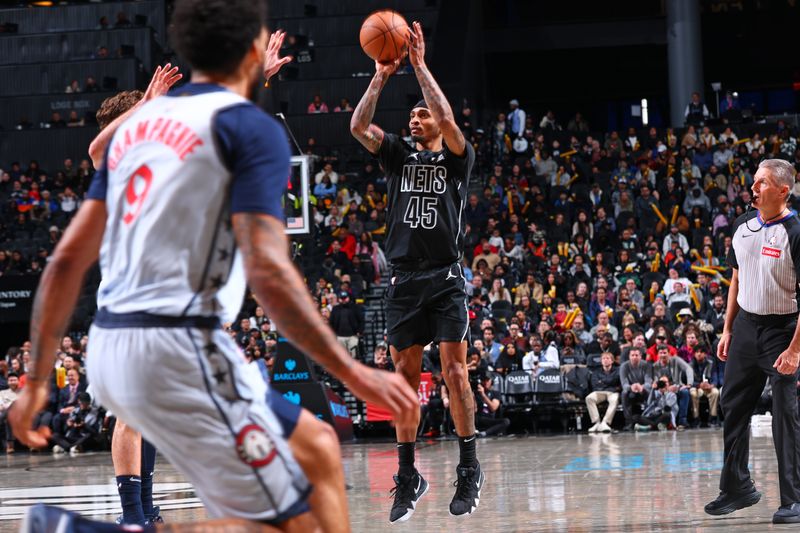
{"x":475,"y":379}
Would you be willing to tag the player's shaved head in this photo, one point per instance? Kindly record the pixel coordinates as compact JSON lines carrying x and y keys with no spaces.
{"x":114,"y":106}
{"x":213,"y":36}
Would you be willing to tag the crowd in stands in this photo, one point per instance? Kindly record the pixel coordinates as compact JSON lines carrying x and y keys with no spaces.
{"x":600,"y":257}
{"x":317,"y":105}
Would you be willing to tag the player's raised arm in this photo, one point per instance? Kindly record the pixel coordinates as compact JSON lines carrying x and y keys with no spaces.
{"x":279,"y":287}
{"x":163,"y":79}
{"x":361,"y":125}
{"x":56,"y":296}
{"x":434,"y":97}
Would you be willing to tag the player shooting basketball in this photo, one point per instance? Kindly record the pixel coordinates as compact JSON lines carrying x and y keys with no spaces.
{"x":426,"y":299}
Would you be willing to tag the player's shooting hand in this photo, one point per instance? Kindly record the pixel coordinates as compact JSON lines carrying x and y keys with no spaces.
{"x":723,"y":346}
{"x":387,"y":69}
{"x":272,"y":60}
{"x":22,"y":412}
{"x":163,"y":80}
{"x":416,"y":50}
{"x":385,"y":389}
{"x":787,"y":362}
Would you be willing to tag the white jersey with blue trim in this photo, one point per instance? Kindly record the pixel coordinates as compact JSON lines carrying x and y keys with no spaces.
{"x":170,"y":187}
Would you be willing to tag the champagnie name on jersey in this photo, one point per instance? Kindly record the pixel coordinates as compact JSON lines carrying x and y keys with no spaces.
{"x":171,"y":133}
{"x":424,"y":178}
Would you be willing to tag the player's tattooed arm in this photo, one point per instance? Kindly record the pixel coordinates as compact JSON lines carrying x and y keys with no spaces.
{"x":279,"y":287}
{"x":368,"y":134}
{"x":60,"y":286}
{"x":434,"y":97}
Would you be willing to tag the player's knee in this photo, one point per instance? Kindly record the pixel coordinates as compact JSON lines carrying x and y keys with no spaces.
{"x":456,"y":377}
{"x":123,"y":430}
{"x":409,"y":372}
{"x":120,"y":426}
{"x":326,"y":440}
{"x":325,"y":445}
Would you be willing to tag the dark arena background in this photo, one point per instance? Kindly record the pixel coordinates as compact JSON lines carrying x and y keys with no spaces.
{"x":599,"y":219}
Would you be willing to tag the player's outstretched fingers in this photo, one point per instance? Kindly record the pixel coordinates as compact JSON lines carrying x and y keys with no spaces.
{"x":172,"y":77}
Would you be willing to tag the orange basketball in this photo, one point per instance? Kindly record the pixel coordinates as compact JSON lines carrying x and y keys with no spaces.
{"x":384,"y":36}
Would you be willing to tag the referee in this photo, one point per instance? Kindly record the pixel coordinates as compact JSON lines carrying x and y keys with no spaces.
{"x":761,"y":341}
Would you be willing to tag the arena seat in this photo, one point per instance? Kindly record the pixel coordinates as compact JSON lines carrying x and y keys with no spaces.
{"x":498,"y":383}
{"x":518,"y":397}
{"x":676,"y":307}
{"x":547,"y":397}
{"x":593,"y":361}
{"x":518,"y":393}
{"x":547,"y":389}
{"x":573,"y":360}
{"x":502,"y":310}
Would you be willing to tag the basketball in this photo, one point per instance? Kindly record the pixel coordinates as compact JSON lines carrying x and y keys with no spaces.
{"x":384,"y":36}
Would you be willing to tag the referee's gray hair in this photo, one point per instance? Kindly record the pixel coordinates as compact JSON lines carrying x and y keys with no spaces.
{"x":783,"y":172}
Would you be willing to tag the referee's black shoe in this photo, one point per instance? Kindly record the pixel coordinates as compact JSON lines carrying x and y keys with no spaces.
{"x":468,"y":490}
{"x":728,"y":502}
{"x":407,"y":492}
{"x":787,"y":514}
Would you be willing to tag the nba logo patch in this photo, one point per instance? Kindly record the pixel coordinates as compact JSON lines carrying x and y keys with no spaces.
{"x":771,"y":252}
{"x":254,"y":446}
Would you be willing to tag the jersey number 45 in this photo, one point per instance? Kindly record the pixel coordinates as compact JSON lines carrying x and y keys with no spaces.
{"x":421,"y":211}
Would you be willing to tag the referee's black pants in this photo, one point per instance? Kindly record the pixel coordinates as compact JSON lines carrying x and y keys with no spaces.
{"x":756,"y":343}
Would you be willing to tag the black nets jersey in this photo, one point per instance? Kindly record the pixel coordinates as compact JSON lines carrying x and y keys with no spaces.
{"x":427,"y":192}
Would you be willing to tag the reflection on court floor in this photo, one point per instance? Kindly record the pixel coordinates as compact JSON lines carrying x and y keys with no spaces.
{"x":599,"y":483}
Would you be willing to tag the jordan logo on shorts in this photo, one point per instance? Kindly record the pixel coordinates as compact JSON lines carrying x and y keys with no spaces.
{"x":450,"y":274}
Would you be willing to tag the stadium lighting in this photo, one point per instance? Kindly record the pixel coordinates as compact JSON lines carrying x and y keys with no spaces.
{"x":645,"y":114}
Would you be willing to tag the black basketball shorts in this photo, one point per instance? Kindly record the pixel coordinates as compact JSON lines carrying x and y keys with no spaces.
{"x":425,"y":306}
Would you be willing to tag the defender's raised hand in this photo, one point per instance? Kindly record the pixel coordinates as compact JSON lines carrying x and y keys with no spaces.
{"x":272,"y":60}
{"x":163,"y":80}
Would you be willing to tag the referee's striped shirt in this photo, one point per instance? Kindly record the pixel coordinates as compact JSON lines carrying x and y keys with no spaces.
{"x":768,"y":259}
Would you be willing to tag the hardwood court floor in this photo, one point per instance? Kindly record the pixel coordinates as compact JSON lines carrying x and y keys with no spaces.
{"x":598,"y":483}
